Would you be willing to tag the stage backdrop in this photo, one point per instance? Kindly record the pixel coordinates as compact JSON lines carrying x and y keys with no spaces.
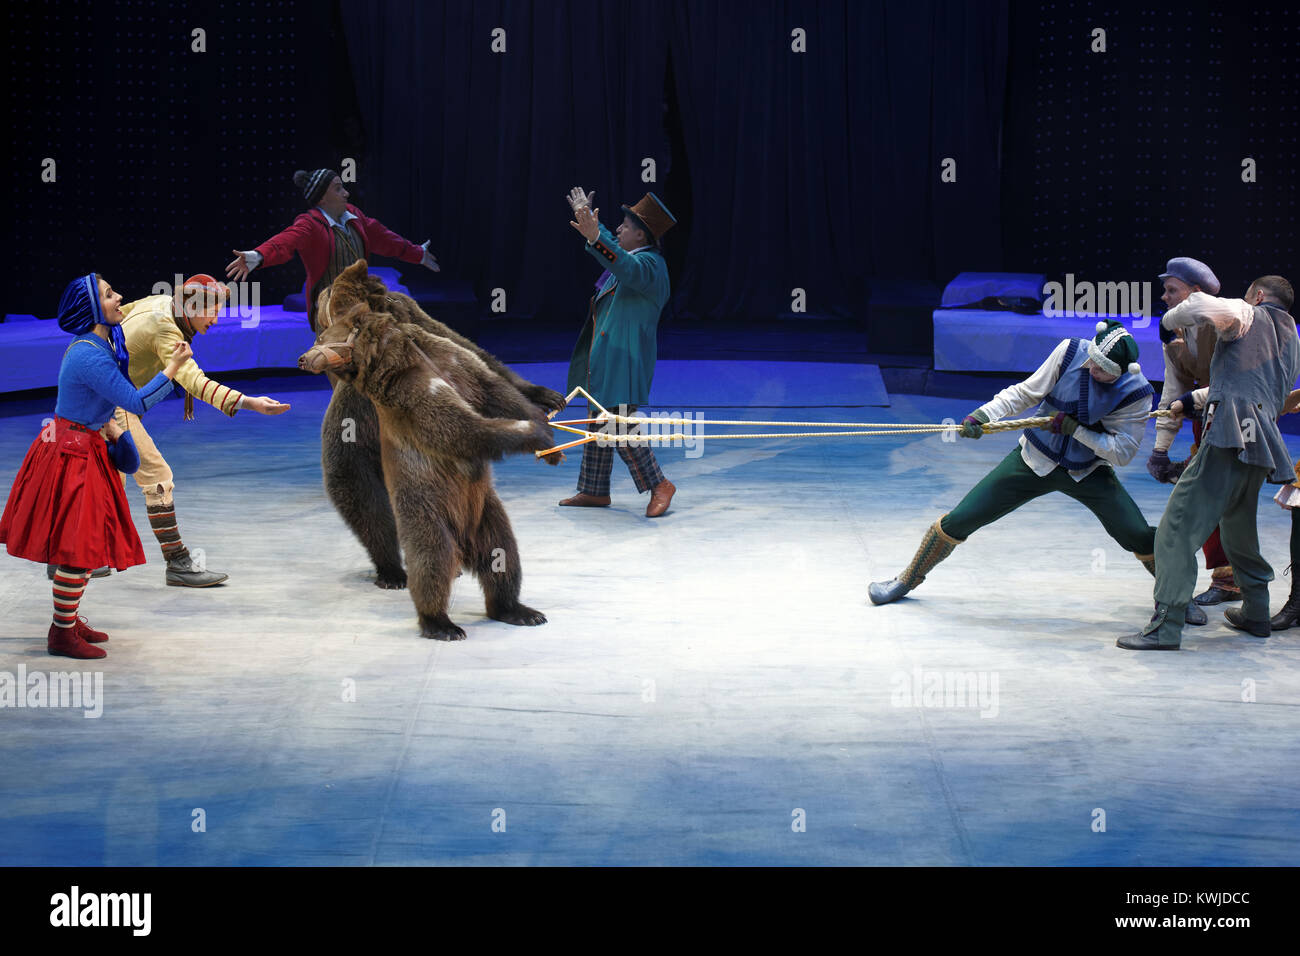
{"x":800,"y":144}
{"x":1129,"y":146}
{"x":169,"y":147}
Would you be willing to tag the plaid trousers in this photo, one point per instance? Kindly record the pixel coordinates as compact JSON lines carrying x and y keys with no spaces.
{"x":598,"y":460}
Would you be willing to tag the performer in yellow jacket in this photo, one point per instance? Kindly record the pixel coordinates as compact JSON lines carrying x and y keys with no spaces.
{"x":153,"y":325}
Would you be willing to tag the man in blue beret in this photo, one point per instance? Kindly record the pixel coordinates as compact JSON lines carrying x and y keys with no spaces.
{"x":1256,"y":362}
{"x":1187,"y":367}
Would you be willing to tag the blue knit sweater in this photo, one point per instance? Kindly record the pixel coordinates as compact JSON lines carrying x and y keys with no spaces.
{"x":91,"y":385}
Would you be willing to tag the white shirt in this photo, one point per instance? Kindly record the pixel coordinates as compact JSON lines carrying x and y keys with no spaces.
{"x":1117,"y":445}
{"x":1231,"y":318}
{"x":340,"y":222}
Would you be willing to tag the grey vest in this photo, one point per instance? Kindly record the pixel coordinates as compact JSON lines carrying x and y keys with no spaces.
{"x":1250,"y":379}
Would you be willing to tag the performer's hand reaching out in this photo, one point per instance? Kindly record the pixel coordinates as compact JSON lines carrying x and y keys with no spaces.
{"x":429,"y":262}
{"x":238,"y":267}
{"x":588,"y":222}
{"x":578,"y":198}
{"x":263,"y":405}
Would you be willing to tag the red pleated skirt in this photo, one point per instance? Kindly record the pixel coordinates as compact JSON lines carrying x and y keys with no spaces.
{"x":67,"y":505}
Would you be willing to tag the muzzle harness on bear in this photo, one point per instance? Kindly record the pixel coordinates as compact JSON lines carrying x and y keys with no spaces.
{"x":329,"y":353}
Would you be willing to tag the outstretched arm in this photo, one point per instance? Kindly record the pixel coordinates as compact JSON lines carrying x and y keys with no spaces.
{"x":640,"y":273}
{"x":1231,"y":318}
{"x":384,"y":241}
{"x":279,"y":248}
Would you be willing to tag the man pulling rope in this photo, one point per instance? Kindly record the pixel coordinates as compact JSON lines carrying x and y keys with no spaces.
{"x":1099,"y":403}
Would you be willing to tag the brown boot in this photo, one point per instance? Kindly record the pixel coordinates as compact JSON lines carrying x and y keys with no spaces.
{"x":65,"y":642}
{"x":660,"y":498}
{"x":582,"y":500}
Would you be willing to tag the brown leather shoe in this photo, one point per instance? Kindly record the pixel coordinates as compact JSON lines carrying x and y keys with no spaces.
{"x":583,"y":500}
{"x":660,"y":498}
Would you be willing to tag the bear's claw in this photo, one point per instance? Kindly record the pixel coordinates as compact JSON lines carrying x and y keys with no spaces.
{"x":391,"y":580}
{"x":546,"y":398}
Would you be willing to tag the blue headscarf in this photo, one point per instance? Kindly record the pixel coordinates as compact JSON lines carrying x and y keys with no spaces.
{"x":80,"y":311}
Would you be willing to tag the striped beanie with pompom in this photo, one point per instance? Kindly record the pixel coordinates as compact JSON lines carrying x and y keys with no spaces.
{"x":1114,"y":350}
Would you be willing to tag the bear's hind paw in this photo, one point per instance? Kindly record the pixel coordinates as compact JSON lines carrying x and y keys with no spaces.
{"x":391,"y":580}
{"x":520,"y":615}
{"x":440,"y":628}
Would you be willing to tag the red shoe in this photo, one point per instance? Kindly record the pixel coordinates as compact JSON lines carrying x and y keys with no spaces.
{"x":87,"y":633}
{"x":66,"y":642}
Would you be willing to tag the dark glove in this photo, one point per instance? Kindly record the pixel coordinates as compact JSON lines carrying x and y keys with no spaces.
{"x":1166,"y":335}
{"x":972,"y":424}
{"x":1161,"y":468}
{"x":122,"y":453}
{"x":1189,"y":407}
{"x":1063,"y":424}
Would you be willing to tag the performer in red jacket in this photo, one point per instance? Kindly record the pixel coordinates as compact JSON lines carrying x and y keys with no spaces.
{"x":328,"y":237}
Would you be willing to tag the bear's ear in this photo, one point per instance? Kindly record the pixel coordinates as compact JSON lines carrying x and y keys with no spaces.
{"x":355,"y":272}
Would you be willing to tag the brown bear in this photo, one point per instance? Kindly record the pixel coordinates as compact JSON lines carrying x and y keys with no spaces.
{"x":429,"y":411}
{"x":353,"y":471}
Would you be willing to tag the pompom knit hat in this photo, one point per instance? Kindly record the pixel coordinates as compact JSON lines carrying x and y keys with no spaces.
{"x":313,"y":184}
{"x":1114,"y":350}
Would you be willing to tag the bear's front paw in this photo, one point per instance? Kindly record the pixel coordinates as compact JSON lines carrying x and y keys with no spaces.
{"x":540,"y":437}
{"x":547,"y":398}
{"x":391,"y":580}
{"x":439,"y":627}
{"x":521,"y":615}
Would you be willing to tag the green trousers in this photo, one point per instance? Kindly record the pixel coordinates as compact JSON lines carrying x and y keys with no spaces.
{"x":1012,"y":483}
{"x":1217,"y":488}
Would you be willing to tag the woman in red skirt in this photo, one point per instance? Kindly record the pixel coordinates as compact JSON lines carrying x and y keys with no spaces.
{"x":67,"y":506}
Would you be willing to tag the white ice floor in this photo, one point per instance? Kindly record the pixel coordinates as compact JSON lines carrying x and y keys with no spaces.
{"x":713,"y":687}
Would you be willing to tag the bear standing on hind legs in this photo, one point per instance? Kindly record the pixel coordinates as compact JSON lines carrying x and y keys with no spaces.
{"x":353,"y":469}
{"x":443,"y":415}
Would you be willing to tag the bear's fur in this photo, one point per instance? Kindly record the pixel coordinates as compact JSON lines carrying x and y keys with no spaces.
{"x":429,"y":411}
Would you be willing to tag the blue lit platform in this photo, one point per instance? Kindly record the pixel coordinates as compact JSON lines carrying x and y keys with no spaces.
{"x":681,"y":384}
{"x":976,"y":340}
{"x":273,"y":338}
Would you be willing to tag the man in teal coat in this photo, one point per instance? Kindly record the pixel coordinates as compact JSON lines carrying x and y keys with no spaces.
{"x":614,"y":359}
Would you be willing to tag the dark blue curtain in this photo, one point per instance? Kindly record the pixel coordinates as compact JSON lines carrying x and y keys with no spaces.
{"x":820,"y":170}
{"x":477,"y":149}
{"x":816,"y":170}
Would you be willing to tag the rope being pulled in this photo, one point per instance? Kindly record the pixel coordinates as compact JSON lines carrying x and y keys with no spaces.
{"x":854,"y":429}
